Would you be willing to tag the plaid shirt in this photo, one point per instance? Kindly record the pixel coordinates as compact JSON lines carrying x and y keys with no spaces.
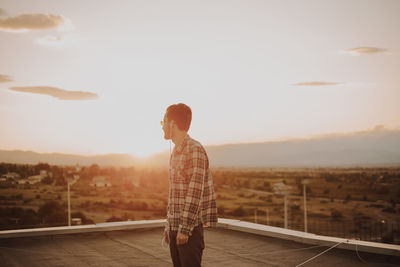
{"x":191,"y":193}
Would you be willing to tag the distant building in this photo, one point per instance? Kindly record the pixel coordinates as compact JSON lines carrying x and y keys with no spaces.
{"x":35,"y":178}
{"x":11,"y":175}
{"x":31,"y":179}
{"x":7,"y":181}
{"x":76,"y":221}
{"x":10,"y":178}
{"x":100,"y":181}
{"x":22,"y":181}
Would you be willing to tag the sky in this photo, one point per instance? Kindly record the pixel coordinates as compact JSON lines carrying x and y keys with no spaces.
{"x":95,"y":77}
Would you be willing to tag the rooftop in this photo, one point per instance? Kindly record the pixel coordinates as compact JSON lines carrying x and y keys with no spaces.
{"x":232,"y":243}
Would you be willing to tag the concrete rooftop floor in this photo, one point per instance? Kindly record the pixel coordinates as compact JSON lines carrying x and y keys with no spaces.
{"x":142,"y":247}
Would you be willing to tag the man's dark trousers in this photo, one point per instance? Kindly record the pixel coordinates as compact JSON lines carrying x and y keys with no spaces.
{"x":188,"y":254}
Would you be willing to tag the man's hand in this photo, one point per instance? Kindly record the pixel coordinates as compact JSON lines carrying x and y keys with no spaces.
{"x":181,"y":239}
{"x":166,"y":237}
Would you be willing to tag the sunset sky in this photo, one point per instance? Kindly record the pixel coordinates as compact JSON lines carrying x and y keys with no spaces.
{"x":94,"y":77}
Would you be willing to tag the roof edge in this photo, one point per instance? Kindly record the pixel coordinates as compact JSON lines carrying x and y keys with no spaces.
{"x":309,"y":238}
{"x":100,"y":227}
{"x":237,"y":225}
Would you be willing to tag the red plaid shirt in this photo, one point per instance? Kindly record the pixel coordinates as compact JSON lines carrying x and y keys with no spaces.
{"x":191,"y":199}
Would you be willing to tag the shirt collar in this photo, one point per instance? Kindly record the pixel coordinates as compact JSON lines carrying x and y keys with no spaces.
{"x":179,"y":148}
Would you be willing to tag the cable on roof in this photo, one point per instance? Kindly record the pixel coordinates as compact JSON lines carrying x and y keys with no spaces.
{"x":270,"y":252}
{"x":368,"y":263}
{"x":321,"y":253}
{"x":164,"y":245}
{"x":250,"y":256}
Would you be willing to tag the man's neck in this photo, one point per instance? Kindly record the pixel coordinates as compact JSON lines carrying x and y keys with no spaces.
{"x":178,"y":137}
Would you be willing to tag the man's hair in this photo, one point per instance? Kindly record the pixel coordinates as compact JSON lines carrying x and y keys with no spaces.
{"x":181,"y":114}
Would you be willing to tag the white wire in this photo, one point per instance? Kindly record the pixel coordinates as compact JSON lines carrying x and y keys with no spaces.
{"x":320,"y":253}
{"x":163,"y":244}
{"x":170,"y":154}
{"x":368,"y":263}
{"x":358,"y":255}
{"x":265,"y":253}
{"x":170,"y":138}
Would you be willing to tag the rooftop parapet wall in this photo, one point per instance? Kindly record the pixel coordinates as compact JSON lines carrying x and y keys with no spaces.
{"x":309,"y":238}
{"x":100,"y":227}
{"x":236,"y":225}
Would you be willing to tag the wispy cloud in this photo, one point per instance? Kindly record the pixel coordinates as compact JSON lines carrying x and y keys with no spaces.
{"x":56,"y":92}
{"x":58,"y":41}
{"x":5,"y":78}
{"x":364,"y":50}
{"x":316,"y":83}
{"x":28,"y":22}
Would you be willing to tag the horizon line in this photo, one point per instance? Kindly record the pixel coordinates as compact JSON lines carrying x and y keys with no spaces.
{"x":377,"y":128}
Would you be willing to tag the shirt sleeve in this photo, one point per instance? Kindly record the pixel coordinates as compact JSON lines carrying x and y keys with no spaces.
{"x":197,"y":160}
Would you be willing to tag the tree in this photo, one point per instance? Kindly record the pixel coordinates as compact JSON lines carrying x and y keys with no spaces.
{"x":52,"y":212}
{"x":143,"y":182}
{"x":41,"y":166}
{"x":60,"y":180}
{"x":3,"y":169}
{"x":29,"y":218}
{"x":336,"y":215}
{"x":47,"y":180}
{"x":394,"y":195}
{"x":94,"y":170}
{"x":238,"y":212}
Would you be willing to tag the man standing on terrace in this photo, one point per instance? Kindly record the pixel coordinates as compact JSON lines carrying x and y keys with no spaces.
{"x":191,"y":202}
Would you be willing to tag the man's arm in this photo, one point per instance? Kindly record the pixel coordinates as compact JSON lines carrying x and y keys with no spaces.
{"x":197,"y":160}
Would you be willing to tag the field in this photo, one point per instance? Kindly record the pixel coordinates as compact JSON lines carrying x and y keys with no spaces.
{"x":331,"y":193}
{"x":340,"y":202}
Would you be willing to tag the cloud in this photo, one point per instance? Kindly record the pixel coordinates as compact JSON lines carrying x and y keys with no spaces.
{"x":316,"y":83}
{"x":5,"y":78}
{"x":28,"y":22}
{"x":58,"y":41}
{"x":364,"y":50}
{"x":56,"y":92}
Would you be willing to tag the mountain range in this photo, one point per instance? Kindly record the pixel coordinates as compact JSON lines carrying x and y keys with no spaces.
{"x":375,"y":147}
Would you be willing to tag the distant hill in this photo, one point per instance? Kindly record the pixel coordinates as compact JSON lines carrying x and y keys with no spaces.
{"x":377,"y":147}
{"x":30,"y":157}
{"x":374,"y":147}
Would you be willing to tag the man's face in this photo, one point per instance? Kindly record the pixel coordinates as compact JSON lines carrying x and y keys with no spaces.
{"x":166,"y":128}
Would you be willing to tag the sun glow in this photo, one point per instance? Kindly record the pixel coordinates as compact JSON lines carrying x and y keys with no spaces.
{"x":235,"y":65}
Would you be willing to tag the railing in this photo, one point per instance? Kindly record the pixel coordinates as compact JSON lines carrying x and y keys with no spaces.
{"x":376,"y":231}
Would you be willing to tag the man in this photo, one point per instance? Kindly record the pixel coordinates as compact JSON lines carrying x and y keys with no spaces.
{"x":191,"y":202}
